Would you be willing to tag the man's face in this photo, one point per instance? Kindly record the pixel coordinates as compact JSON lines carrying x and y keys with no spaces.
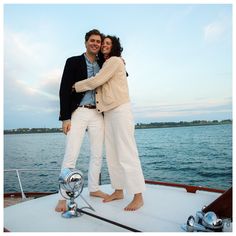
{"x":93,"y":44}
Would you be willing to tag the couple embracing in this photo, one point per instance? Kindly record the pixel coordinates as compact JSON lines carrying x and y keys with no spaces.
{"x":94,"y":96}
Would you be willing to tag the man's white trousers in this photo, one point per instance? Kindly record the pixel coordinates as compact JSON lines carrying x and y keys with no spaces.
{"x":82,"y":119}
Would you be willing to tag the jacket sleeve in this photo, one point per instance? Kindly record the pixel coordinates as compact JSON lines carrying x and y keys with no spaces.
{"x":107,"y":71}
{"x":65,"y":91}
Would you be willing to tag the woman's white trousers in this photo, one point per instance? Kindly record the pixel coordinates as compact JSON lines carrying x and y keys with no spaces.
{"x":121,"y":151}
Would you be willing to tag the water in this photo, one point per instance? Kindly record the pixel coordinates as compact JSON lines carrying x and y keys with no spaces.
{"x":190,"y":155}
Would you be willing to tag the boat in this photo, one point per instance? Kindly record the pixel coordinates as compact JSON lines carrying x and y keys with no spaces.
{"x":168,"y":207}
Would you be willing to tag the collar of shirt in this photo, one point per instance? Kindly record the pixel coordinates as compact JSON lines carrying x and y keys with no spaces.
{"x":92,"y":68}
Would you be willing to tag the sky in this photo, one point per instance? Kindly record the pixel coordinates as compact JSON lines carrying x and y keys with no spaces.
{"x":178,"y":56}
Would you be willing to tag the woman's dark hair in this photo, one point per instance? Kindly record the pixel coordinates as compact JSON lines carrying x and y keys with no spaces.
{"x":116,"y":48}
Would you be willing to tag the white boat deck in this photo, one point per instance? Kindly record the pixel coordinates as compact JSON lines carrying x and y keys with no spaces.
{"x":165,"y":210}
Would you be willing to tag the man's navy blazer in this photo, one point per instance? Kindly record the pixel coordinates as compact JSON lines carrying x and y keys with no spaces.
{"x":75,"y":70}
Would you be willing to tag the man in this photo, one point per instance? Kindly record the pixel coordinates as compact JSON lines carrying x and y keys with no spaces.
{"x":78,"y":113}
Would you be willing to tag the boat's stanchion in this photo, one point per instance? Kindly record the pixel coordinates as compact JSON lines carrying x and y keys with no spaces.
{"x":21,"y":189}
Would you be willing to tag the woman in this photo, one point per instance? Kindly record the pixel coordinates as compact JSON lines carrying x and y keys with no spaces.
{"x":112,"y":98}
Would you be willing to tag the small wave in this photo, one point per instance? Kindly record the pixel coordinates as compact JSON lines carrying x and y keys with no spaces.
{"x":153,"y":163}
{"x":214,"y":174}
{"x":167,"y":168}
{"x":53,"y":162}
{"x":187,"y":168}
{"x":43,"y":175}
{"x":193,"y":162}
{"x":38,"y":164}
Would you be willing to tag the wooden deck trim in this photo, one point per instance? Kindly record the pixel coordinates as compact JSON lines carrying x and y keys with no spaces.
{"x":189,"y":188}
{"x":30,"y":194}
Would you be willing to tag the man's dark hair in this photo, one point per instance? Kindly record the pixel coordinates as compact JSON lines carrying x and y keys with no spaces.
{"x":93,"y":32}
{"x":116,"y":49}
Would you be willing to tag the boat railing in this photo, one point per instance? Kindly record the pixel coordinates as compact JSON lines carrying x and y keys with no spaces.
{"x":191,"y":189}
{"x":188,"y":188}
{"x":26,"y":170}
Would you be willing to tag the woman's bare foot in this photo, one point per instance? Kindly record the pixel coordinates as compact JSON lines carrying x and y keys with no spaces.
{"x":61,"y":206}
{"x":98,"y":194}
{"x":136,"y":203}
{"x":118,"y":194}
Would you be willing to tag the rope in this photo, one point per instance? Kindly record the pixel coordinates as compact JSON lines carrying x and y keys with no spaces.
{"x":109,"y":221}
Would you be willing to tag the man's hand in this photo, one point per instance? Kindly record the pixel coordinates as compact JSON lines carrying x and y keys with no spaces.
{"x":66,"y":124}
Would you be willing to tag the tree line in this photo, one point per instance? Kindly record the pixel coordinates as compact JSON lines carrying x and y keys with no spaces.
{"x":137,"y":126}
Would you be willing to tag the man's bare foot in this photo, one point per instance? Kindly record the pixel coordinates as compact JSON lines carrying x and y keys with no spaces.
{"x":61,"y":206}
{"x":98,"y":194}
{"x":136,"y":203}
{"x":117,"y":195}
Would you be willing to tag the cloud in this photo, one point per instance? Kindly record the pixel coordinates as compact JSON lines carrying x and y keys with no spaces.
{"x":218,"y":28}
{"x":30,"y":84}
{"x":50,"y":81}
{"x":22,"y":52}
{"x":214,"y":31}
{"x":31,"y":81}
{"x":31,"y":91}
{"x":176,"y":111}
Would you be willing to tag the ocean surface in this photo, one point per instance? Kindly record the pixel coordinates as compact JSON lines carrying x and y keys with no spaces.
{"x":199,"y":155}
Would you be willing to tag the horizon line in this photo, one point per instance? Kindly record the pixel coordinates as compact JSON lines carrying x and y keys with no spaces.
{"x":160,"y":122}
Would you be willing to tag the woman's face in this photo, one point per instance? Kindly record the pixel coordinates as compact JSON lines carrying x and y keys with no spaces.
{"x":106,"y":46}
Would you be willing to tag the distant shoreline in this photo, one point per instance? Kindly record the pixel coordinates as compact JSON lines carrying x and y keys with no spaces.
{"x":137,"y":126}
